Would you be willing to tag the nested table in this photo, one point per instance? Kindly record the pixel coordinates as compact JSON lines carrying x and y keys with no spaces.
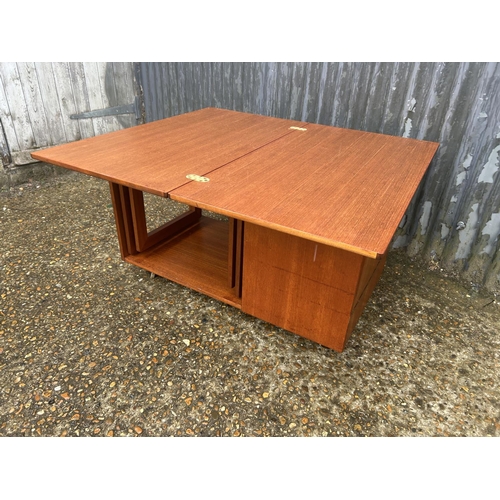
{"x":311,"y":210}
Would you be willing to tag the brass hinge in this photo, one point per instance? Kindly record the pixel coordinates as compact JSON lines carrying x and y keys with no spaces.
{"x":197,"y":178}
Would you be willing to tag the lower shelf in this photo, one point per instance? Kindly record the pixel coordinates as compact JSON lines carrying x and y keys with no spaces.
{"x":197,"y":259}
{"x":314,"y":290}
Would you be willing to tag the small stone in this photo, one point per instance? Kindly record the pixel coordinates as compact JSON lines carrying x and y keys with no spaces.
{"x":282,"y":420}
{"x":292,"y":425}
{"x":265,"y":395}
{"x":357,"y":427}
{"x":138,"y":429}
{"x":97,"y":430}
{"x":110,"y":434}
{"x":188,"y":401}
{"x":64,"y":433}
{"x":58,"y":388}
{"x":112,"y":384}
{"x":76,"y":416}
{"x":65,"y":396}
{"x":305,"y":420}
{"x":190,"y":432}
{"x":186,"y":341}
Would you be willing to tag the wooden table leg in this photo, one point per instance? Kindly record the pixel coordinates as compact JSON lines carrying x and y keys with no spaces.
{"x":130,"y":218}
{"x":235,"y":255}
{"x":145,"y":239}
{"x":124,"y":226}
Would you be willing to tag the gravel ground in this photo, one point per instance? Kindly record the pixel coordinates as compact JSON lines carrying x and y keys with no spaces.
{"x":92,"y":346}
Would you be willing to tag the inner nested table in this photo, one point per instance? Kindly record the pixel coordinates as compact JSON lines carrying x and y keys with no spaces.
{"x":311,"y":210}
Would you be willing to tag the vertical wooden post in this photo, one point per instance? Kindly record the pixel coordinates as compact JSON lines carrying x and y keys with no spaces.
{"x":235,"y":255}
{"x":116,"y":199}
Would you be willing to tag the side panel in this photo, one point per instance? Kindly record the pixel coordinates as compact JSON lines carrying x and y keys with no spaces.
{"x":307,"y":288}
{"x":369,"y":278}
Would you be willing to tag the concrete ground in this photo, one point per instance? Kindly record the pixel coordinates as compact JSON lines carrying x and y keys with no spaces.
{"x":92,"y":346}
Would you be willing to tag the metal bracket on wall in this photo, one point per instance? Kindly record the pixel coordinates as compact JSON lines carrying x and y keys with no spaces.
{"x":133,"y":108}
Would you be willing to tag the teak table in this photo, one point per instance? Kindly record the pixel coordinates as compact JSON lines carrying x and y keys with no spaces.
{"x":311,"y":210}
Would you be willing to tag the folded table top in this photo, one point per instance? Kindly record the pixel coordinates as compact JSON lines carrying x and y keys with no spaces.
{"x":340,"y":187}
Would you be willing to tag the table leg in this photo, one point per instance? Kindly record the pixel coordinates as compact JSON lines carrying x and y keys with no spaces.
{"x":124,"y":227}
{"x":130,"y":217}
{"x":235,"y":255}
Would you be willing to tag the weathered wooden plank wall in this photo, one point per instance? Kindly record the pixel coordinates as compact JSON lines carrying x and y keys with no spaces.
{"x":454,"y":220}
{"x":37,"y":99}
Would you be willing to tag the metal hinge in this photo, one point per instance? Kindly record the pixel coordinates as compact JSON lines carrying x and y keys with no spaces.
{"x":133,"y":108}
{"x":197,"y":178}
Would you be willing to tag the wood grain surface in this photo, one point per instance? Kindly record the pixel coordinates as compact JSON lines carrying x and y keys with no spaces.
{"x":312,"y":210}
{"x":156,"y":157}
{"x":299,"y":285}
{"x":340,"y":187}
{"x":196,"y":258}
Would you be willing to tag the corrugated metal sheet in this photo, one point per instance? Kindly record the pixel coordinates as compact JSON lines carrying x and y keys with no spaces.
{"x":454,"y":219}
